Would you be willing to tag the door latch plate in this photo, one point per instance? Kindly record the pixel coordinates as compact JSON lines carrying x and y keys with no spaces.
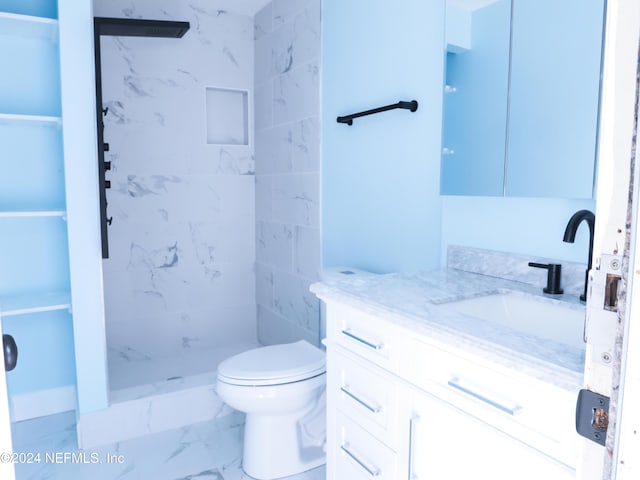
{"x":592,"y":416}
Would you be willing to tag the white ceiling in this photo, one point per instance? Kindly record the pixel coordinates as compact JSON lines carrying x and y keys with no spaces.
{"x":251,"y":7}
{"x":243,"y":7}
{"x":470,"y":4}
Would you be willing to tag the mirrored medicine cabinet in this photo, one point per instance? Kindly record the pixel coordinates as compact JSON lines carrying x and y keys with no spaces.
{"x":521,"y":97}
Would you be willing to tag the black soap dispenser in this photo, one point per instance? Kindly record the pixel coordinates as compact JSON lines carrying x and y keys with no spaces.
{"x":554,"y":272}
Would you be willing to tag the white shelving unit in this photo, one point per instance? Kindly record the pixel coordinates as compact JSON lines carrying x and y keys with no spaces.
{"x":28,"y":26}
{"x":35,"y":302}
{"x":34,"y":213}
{"x":13,"y":118}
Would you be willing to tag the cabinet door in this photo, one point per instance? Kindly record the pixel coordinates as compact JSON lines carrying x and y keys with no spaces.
{"x":551,"y":81}
{"x":475,"y":101}
{"x":447,"y":444}
{"x":553,"y":105}
{"x":361,"y":456}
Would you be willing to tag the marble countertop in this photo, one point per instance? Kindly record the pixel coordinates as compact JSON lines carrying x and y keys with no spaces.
{"x":418,"y":302}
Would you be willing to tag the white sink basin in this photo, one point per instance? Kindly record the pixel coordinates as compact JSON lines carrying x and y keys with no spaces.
{"x":532,"y":316}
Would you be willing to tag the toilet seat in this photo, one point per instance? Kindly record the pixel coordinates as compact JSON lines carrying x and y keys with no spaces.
{"x":273,"y":365}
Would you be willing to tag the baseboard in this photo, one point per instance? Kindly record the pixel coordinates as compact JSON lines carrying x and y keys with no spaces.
{"x":43,"y":402}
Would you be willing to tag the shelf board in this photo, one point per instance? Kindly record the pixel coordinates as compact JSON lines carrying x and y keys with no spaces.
{"x":14,"y":118}
{"x":32,"y":213}
{"x":36,"y":303}
{"x":14,"y":24}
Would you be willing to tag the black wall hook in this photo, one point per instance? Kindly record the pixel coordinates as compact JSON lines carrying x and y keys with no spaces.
{"x":411,"y":106}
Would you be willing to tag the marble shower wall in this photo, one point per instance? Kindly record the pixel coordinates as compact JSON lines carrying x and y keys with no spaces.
{"x":182,"y":243}
{"x":287,"y":153}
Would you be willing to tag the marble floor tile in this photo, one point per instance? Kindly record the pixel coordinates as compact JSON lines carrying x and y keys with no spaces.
{"x":203,"y":451}
{"x":234,"y":472}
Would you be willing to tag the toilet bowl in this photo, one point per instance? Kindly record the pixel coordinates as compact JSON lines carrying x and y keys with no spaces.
{"x":281,"y":388}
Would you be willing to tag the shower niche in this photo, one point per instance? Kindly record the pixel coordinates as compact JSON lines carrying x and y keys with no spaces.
{"x":227,"y":116}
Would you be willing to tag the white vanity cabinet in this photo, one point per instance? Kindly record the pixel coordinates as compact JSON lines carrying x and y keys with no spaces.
{"x":448,"y":443}
{"x":401,"y":408}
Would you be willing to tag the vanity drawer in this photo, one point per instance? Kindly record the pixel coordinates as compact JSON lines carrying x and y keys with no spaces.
{"x":366,"y":335}
{"x":367,"y":395}
{"x":537,"y":413}
{"x":360,"y":456}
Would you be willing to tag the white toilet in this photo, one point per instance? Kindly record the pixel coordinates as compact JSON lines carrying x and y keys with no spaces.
{"x":281,"y":388}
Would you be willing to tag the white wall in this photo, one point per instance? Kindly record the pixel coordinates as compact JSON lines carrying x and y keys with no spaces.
{"x":382,"y":208}
{"x":181,"y":269}
{"x":287,"y":75}
{"x":381,"y":176}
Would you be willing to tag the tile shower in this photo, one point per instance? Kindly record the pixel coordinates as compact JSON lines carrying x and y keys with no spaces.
{"x":287,"y":108}
{"x":215,"y":235}
{"x":179,"y":278}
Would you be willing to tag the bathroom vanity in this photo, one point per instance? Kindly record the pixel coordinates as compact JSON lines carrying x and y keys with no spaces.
{"x":419,"y":388}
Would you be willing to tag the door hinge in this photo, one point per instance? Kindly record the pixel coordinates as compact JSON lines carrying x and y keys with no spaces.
{"x":592,"y":416}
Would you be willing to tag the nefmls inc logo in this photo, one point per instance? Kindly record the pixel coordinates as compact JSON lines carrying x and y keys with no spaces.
{"x":72,"y":457}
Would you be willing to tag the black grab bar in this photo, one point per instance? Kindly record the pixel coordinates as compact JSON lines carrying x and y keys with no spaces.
{"x":348,"y":119}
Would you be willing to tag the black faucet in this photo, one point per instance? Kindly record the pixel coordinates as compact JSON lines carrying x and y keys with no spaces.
{"x":570,"y":237}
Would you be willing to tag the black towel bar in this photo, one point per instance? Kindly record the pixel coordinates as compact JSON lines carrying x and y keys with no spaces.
{"x":348,"y":119}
